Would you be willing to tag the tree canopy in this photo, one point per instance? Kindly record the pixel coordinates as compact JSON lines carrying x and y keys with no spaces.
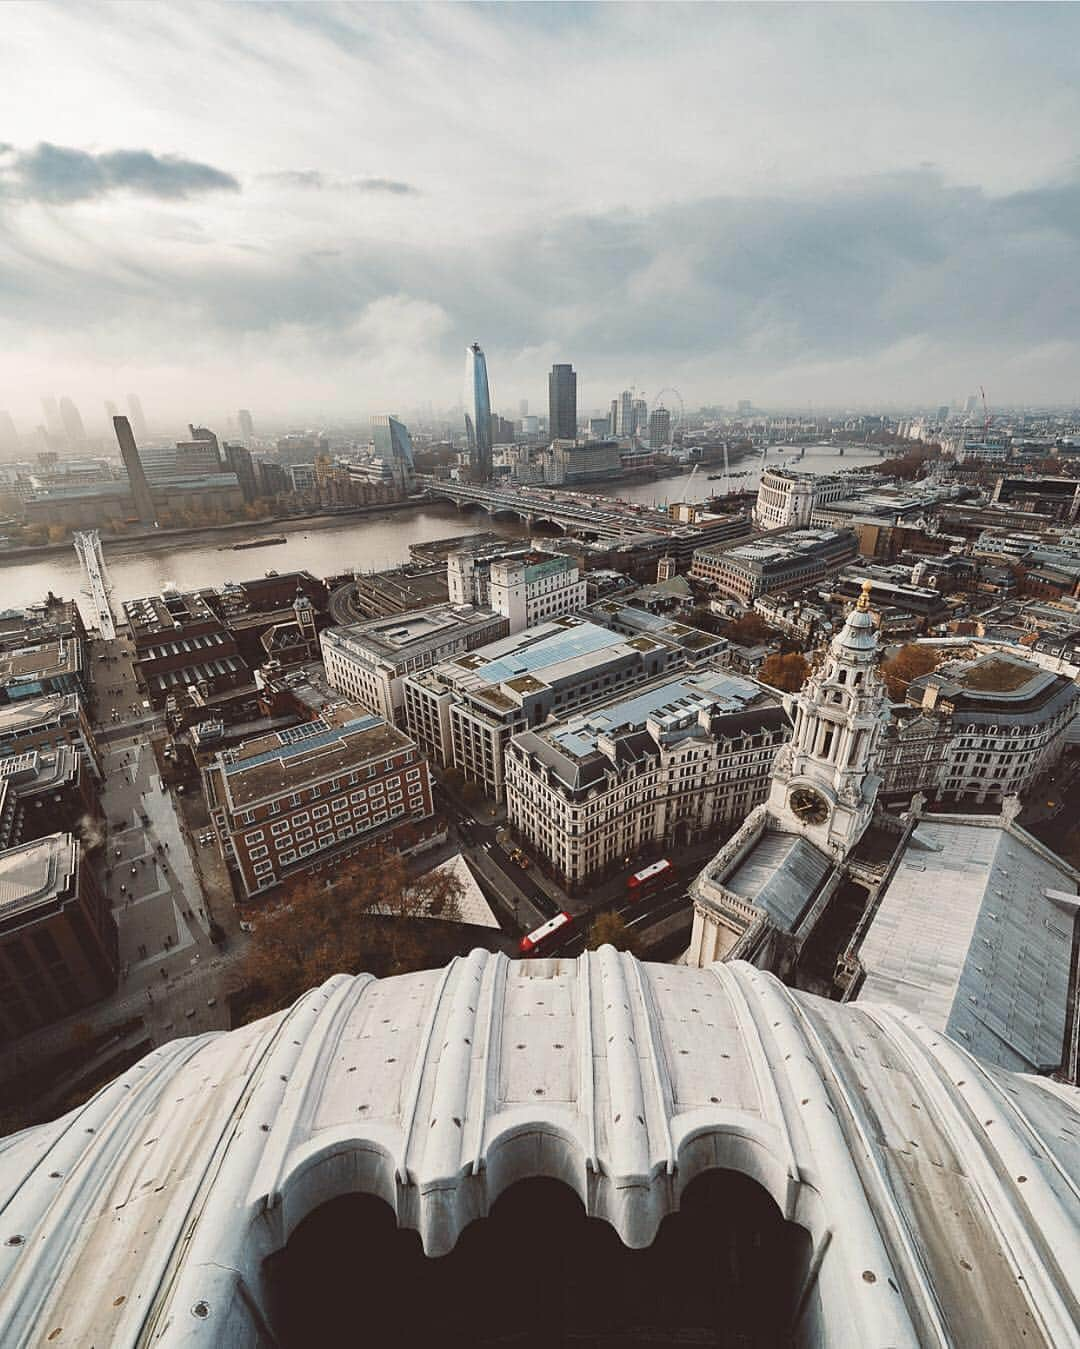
{"x":359,"y":921}
{"x":911,"y":661}
{"x":785,"y":672}
{"x":609,"y":929}
{"x":750,"y":630}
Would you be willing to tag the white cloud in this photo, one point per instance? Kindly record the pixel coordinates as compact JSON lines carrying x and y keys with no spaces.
{"x":731,"y":199}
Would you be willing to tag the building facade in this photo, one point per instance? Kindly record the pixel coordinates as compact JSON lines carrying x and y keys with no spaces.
{"x":315,"y":794}
{"x":368,"y":661}
{"x":464,"y":711}
{"x":48,"y":723}
{"x":477,"y":400}
{"x":654,"y":771}
{"x":59,"y":948}
{"x":562,"y":403}
{"x":798,"y":558}
{"x":182,"y":644}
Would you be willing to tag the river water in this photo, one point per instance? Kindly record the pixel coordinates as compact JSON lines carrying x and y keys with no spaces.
{"x":817,"y":459}
{"x":324,"y":547}
{"x":327,"y":547}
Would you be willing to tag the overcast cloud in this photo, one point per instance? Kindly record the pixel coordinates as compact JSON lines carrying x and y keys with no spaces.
{"x":310,"y":210}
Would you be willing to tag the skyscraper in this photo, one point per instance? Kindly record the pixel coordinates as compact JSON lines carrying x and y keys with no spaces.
{"x":394,"y":446}
{"x":140,"y":488}
{"x":138,"y":421}
{"x":523,"y":408}
{"x":477,"y":414}
{"x":659,"y":428}
{"x":9,"y":437}
{"x":246,"y":425}
{"x":562,"y":403}
{"x":111,"y":411}
{"x":624,"y":414}
{"x":639,"y":417}
{"x":51,"y":409}
{"x":72,"y":420}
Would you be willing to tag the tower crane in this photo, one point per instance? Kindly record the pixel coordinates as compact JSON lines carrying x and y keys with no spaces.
{"x":986,"y":413}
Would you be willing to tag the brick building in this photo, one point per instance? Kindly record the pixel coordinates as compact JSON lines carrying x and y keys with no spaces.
{"x":314,"y":794}
{"x":180,"y":642}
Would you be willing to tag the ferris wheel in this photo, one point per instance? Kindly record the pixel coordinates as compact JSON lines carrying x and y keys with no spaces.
{"x":672,"y":400}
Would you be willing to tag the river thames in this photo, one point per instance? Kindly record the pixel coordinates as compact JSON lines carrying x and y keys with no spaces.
{"x":327,"y":547}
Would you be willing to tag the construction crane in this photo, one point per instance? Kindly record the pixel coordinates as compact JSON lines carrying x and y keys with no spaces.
{"x":986,"y":414}
{"x":684,"y":499}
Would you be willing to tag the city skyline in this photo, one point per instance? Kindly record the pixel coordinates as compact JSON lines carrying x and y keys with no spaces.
{"x":805,"y":239}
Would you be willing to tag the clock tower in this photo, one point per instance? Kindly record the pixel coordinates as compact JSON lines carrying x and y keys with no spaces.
{"x":825,"y":778}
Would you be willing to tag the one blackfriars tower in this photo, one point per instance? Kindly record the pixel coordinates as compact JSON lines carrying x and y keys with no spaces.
{"x":477,"y":414}
{"x":562,"y":403}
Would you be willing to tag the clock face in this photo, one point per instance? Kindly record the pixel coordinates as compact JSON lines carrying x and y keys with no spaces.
{"x":809,"y":806}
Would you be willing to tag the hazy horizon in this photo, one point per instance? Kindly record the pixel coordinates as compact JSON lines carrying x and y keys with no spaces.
{"x":310,"y":210}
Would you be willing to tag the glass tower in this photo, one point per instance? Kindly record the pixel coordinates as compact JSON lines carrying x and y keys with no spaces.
{"x":562,"y":403}
{"x":477,"y":414}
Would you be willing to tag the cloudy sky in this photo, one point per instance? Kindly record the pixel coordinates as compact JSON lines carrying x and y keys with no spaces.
{"x":309,"y":210}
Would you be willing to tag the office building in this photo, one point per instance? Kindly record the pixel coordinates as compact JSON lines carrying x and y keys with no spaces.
{"x":631,"y":620}
{"x":464,"y":711}
{"x":562,"y":403}
{"x":58,"y":939}
{"x":477,"y":398}
{"x":129,"y":451}
{"x":302,"y":477}
{"x":54,"y":424}
{"x":368,"y":661}
{"x":797,"y":558}
{"x":787,"y":498}
{"x":239,"y":461}
{"x":525,"y":586}
{"x":315,"y":794}
{"x":72,"y":422}
{"x":659,"y":428}
{"x":138,"y":421}
{"x":46,"y":723}
{"x":245,"y":423}
{"x":622,"y":412}
{"x":55,"y":666}
{"x":566,"y":463}
{"x":993,"y":726}
{"x":657,"y":770}
{"x":394,"y":452}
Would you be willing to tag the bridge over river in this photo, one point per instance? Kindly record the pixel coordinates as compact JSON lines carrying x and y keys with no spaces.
{"x":571,"y":512}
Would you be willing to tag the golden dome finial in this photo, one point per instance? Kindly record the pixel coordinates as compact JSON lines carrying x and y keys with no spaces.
{"x":863,"y":605}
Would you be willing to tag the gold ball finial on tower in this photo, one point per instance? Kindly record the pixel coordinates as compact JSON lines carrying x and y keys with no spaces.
{"x":863,"y":605}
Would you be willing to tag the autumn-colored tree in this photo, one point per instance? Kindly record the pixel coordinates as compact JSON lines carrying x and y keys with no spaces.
{"x":908,"y":664}
{"x":364,"y":918}
{"x":750,"y":630}
{"x":785,"y":672}
{"x":609,"y":929}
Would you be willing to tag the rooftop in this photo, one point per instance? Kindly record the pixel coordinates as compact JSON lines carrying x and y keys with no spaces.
{"x":898,"y":1155}
{"x":990,"y":966}
{"x":340,"y":740}
{"x":34,"y":873}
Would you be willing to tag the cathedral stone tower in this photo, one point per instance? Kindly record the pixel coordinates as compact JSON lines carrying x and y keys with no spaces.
{"x":825,"y":779}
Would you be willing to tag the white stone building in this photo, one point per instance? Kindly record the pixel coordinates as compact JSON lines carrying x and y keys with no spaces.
{"x":464,"y":711}
{"x":368,"y":661}
{"x":526,"y":586}
{"x":657,"y":769}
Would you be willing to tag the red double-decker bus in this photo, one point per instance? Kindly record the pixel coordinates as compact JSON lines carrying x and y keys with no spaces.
{"x":641,"y":882}
{"x":547,"y":936}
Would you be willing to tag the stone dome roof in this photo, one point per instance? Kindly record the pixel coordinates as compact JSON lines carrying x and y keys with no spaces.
{"x":940,"y":1196}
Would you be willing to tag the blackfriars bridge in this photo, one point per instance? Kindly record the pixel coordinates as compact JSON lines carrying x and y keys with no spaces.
{"x":569,"y":512}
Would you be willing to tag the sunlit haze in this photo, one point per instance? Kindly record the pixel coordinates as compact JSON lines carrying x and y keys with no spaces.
{"x":311,"y":210}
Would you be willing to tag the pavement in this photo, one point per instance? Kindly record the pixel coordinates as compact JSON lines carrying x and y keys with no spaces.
{"x":157,"y":879}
